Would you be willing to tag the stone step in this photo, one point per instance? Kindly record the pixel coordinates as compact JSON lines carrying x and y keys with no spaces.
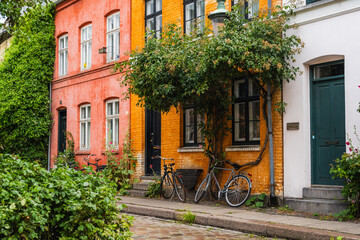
{"x":147,"y":179}
{"x":137,"y":193}
{"x":323,"y":193}
{"x":141,"y":186}
{"x":315,"y":205}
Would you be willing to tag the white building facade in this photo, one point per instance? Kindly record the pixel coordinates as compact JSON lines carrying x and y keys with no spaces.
{"x":322,"y":103}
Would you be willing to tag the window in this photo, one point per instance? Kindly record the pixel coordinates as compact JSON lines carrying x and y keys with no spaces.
{"x":246,"y":112}
{"x":192,"y":131}
{"x":112,"y":122}
{"x":63,"y":55}
{"x":85,"y":112}
{"x":153,"y":16}
{"x":194,"y":12}
{"x":250,"y":7}
{"x":312,"y":1}
{"x":86,"y":33}
{"x":113,"y":37}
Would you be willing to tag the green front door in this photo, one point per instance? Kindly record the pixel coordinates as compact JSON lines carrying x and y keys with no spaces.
{"x":327,"y":119}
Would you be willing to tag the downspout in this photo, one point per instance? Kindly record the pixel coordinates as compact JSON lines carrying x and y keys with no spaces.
{"x":271,"y":148}
{"x":49,"y":146}
{"x":271,"y":142}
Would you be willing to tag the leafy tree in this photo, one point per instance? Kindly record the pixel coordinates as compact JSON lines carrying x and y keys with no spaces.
{"x":12,"y":10}
{"x":198,"y":70}
{"x":25,"y":75}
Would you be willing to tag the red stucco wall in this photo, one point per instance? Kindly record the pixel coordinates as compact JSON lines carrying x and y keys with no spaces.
{"x":96,"y":85}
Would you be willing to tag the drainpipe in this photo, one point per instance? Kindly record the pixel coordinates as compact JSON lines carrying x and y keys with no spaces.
{"x":271,"y":148}
{"x":49,"y":147}
{"x":271,"y":142}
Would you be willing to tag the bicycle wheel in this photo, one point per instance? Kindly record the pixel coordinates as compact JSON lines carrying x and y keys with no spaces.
{"x":179,"y":187}
{"x":166,"y":187}
{"x":202,"y":189}
{"x":238,"y":190}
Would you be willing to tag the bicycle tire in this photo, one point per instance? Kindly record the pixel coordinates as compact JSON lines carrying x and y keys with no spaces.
{"x":202,"y":189}
{"x":179,"y":187}
{"x":166,"y":186}
{"x":238,"y":191}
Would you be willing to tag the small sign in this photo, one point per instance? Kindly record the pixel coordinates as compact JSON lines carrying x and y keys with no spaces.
{"x":292,"y":126}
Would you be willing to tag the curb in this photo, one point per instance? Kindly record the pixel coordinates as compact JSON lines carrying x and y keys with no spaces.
{"x":262,"y":228}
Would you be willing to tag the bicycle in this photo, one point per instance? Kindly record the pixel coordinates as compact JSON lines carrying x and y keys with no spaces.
{"x":99,"y":168}
{"x":237,"y":188}
{"x":171,"y":182}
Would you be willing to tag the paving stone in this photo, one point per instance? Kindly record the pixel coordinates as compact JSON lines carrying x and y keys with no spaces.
{"x":154,"y":228}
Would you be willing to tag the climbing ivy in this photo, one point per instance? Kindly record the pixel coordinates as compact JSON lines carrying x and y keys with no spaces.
{"x":25,"y":75}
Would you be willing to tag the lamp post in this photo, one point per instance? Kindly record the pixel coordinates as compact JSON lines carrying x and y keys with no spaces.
{"x":218,"y":16}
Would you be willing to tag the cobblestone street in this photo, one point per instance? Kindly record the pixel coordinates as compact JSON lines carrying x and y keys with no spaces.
{"x":155,"y":228}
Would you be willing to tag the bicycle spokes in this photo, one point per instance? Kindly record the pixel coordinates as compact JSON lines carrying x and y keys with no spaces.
{"x":238,"y":191}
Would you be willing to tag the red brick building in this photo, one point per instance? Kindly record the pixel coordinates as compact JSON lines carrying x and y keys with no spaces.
{"x":91,"y":35}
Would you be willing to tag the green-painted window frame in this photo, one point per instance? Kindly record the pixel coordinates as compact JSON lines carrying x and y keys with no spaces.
{"x":312,"y":1}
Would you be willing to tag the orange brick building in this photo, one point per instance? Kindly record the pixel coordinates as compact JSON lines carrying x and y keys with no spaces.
{"x":174,"y":135}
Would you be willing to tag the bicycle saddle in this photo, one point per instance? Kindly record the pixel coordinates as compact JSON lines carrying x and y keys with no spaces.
{"x":171,"y":164}
{"x":234,"y":165}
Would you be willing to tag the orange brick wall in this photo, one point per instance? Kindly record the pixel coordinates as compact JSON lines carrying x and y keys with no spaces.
{"x":171,"y":124}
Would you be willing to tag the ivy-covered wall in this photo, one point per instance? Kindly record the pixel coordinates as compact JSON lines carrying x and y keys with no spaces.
{"x":25,"y":75}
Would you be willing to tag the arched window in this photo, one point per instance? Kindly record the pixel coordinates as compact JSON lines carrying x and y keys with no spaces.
{"x":113,"y":37}
{"x":112,"y":122}
{"x":85,"y":123}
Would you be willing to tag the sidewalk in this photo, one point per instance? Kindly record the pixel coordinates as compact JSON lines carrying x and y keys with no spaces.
{"x":265,"y":224}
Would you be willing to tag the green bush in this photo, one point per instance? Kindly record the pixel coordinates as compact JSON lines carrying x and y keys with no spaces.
{"x":25,"y":76}
{"x":61,"y":204}
{"x":348,"y":168}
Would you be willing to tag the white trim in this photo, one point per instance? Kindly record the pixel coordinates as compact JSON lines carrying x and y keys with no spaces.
{"x":113,"y":116}
{"x":63,"y":63}
{"x":114,"y":32}
{"x":86,"y":120}
{"x":86,"y":45}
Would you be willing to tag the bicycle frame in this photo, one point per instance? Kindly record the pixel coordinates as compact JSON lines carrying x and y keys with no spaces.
{"x":212,"y":174}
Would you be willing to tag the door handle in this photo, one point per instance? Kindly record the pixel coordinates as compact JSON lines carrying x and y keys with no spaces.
{"x":332,"y":142}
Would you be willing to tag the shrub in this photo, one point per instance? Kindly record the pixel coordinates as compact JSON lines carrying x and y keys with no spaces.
{"x":119,"y":170}
{"x":256,"y":201}
{"x":348,"y":168}
{"x":61,"y":204}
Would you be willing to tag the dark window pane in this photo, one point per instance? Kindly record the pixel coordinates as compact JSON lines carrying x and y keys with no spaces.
{"x":328,"y":70}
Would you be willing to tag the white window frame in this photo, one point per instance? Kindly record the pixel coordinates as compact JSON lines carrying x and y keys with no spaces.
{"x":113,"y":52}
{"x":85,"y":132}
{"x":85,"y":47}
{"x":112,"y":139}
{"x":63,"y":55}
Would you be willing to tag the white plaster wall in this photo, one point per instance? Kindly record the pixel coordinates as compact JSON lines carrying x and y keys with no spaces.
{"x":330,"y":32}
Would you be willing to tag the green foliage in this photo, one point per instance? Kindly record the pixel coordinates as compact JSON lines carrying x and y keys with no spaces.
{"x":256,"y":201}
{"x":61,"y":204}
{"x":188,"y":217}
{"x":154,"y":187}
{"x":344,"y":214}
{"x":12,"y":10}
{"x":118,"y":169}
{"x":197,"y":70}
{"x":68,"y":156}
{"x":348,"y":168}
{"x":25,"y":74}
{"x":286,"y":208}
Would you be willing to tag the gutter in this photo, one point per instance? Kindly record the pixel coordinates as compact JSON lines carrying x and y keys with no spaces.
{"x":59,"y":1}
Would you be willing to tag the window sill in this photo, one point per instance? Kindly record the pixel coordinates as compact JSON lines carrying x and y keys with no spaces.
{"x":116,"y":151}
{"x":243,"y":148}
{"x":82,"y":152}
{"x":190,"y":149}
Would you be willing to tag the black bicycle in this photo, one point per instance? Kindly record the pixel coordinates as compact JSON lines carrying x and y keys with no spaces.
{"x":98,"y":168}
{"x":171,"y":181}
{"x":237,"y":188}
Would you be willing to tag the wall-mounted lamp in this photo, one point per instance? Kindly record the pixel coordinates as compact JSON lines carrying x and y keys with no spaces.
{"x":60,"y":102}
{"x":218,"y":16}
{"x":102,"y":50}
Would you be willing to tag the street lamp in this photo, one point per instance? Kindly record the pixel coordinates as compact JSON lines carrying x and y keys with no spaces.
{"x":218,"y":16}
